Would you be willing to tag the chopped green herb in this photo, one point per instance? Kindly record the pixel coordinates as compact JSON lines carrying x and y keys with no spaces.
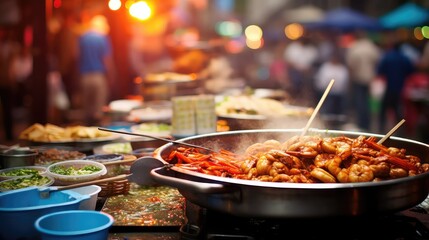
{"x":18,"y":183}
{"x":85,"y":170}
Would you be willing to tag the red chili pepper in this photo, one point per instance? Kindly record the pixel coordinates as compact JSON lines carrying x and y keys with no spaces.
{"x":225,"y":168}
{"x":171,"y":156}
{"x":375,"y":145}
{"x":184,"y":158}
{"x":402,"y":163}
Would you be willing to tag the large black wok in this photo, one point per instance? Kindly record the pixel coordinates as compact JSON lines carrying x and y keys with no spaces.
{"x":291,"y":200}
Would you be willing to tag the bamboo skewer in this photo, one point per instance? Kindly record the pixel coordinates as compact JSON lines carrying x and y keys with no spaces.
{"x":391,"y":132}
{"x":319,"y":105}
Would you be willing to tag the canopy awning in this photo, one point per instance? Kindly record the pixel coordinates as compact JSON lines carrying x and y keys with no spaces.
{"x":407,"y":15}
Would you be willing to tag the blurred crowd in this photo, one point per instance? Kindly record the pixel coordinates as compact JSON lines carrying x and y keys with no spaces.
{"x":380,"y":78}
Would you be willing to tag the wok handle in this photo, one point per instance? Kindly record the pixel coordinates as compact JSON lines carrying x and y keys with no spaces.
{"x":188,"y":185}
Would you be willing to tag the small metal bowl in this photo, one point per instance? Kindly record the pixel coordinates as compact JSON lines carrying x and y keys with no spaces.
{"x":18,"y":158}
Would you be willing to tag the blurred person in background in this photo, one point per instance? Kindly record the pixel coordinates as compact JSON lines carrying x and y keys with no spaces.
{"x":394,"y":67}
{"x":219,"y":74}
{"x":66,"y":53}
{"x":9,"y":48}
{"x":96,"y":68}
{"x":335,"y":104}
{"x":301,"y":55}
{"x":362,"y":58}
{"x":21,"y":67}
{"x":278,"y":68}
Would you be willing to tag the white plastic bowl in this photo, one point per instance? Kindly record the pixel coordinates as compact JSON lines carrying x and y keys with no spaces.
{"x":92,"y":191}
{"x":112,"y":170}
{"x":72,"y":179}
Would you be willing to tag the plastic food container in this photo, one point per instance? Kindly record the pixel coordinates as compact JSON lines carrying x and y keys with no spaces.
{"x":92,"y":191}
{"x":24,"y":171}
{"x":112,"y":170}
{"x":26,"y":182}
{"x":19,"y":210}
{"x":76,"y":166}
{"x":74,"y":225}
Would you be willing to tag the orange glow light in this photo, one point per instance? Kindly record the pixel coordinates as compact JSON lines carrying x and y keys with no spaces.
{"x":418,"y":33}
{"x":255,"y":44}
{"x":114,"y":4}
{"x":294,"y":31}
{"x":140,"y":10}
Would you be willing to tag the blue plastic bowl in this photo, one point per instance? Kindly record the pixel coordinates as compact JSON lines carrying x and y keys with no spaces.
{"x":19,"y":209}
{"x":75,"y":224}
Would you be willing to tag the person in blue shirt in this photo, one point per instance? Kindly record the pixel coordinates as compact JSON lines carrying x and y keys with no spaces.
{"x":394,"y":68}
{"x":96,"y":69}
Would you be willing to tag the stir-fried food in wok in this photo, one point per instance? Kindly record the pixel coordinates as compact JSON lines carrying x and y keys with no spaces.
{"x":305,"y":159}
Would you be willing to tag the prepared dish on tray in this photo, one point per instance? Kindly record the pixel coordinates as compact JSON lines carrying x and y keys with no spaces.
{"x":53,"y":155}
{"x":155,"y":129}
{"x":306,"y":159}
{"x":121,"y":148}
{"x":53,"y":133}
{"x":244,"y":105}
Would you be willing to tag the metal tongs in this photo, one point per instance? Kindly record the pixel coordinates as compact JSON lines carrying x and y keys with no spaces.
{"x":157,"y":138}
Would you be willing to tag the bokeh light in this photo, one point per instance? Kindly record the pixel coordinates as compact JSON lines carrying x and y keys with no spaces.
{"x":114,"y":5}
{"x":229,"y":28}
{"x":140,"y":10}
{"x":253,"y":33}
{"x":294,"y":31}
{"x":234,"y":46}
{"x":257,"y":44}
{"x":418,"y":33}
{"x":425,"y":31}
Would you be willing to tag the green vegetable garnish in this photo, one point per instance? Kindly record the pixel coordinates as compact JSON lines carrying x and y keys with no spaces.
{"x":19,"y":172}
{"x":18,"y":183}
{"x":85,"y":170}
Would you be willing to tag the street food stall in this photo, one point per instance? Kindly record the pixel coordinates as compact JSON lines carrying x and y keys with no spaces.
{"x":206,"y":191}
{"x":181,"y":160}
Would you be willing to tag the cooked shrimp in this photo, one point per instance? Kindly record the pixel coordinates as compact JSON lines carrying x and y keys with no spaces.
{"x":282,"y":178}
{"x":263,"y":166}
{"x":397,"y":152}
{"x":380,"y":170}
{"x":334,"y":165}
{"x":340,"y":148}
{"x":321,"y":159}
{"x":398,"y":173}
{"x":360,"y":173}
{"x":323,"y":175}
{"x":247,"y":164}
